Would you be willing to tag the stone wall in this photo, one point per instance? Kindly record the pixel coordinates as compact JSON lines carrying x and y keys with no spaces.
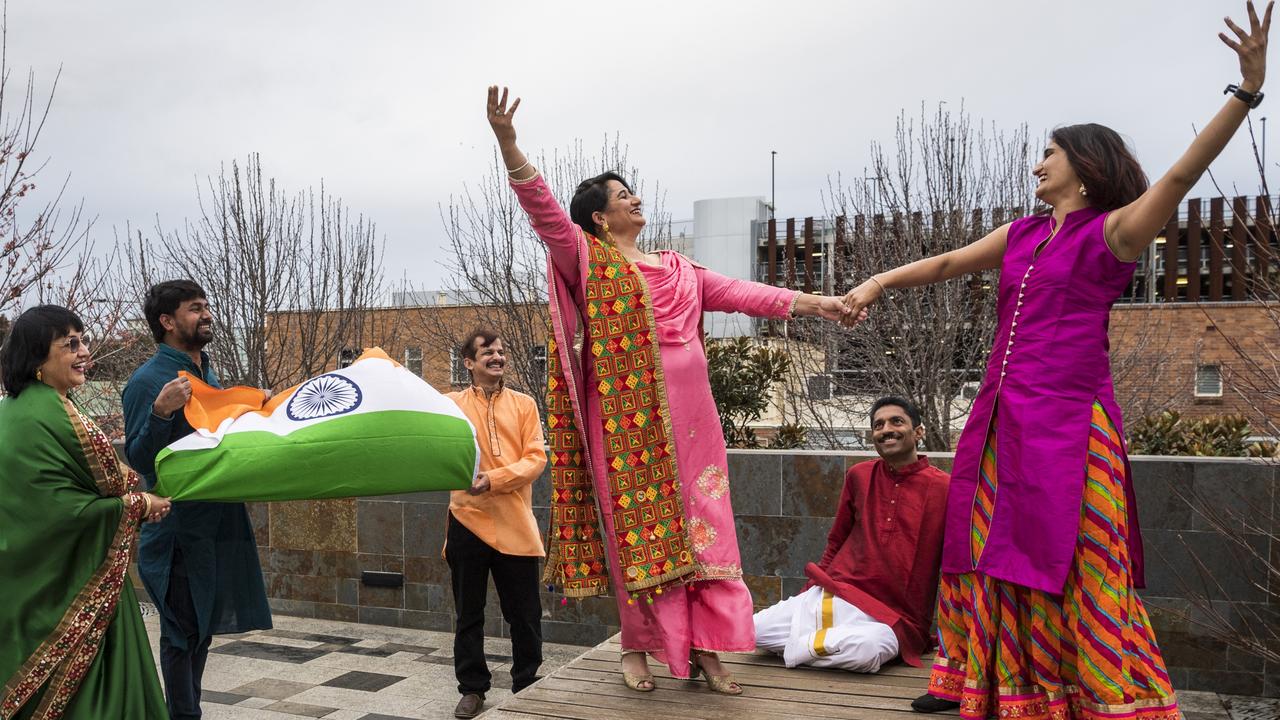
{"x":313,"y":554}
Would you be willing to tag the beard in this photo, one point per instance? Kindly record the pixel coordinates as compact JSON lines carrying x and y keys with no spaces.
{"x":197,"y":337}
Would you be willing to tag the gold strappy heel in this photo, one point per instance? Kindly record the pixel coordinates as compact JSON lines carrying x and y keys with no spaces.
{"x":723,"y":684}
{"x":634,"y":681}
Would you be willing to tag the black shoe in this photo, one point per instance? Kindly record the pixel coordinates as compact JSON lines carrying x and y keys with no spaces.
{"x":469,"y":706}
{"x":929,"y":704}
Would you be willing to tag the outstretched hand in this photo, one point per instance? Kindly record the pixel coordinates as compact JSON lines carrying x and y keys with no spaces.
{"x":500,"y":116}
{"x":1251,"y":47}
{"x":859,"y":299}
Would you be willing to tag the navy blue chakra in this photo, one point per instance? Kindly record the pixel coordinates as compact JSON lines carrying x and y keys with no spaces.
{"x":324,"y":396}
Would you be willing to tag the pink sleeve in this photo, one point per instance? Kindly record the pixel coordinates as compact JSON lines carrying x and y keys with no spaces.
{"x":551,"y":223}
{"x":723,"y":294}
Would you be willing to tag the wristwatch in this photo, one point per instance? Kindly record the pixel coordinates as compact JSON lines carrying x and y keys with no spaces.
{"x":1253,"y":100}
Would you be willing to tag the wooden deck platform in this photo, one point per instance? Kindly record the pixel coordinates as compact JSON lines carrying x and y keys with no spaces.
{"x":590,"y":688}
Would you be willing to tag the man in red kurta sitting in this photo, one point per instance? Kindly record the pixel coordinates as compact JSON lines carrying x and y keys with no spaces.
{"x":871,"y":598}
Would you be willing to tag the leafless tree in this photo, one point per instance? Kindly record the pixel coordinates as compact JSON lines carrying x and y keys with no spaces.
{"x":946,"y":180}
{"x":291,"y":275}
{"x":497,"y":265}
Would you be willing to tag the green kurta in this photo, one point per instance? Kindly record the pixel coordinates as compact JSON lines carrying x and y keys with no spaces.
{"x":74,"y":644}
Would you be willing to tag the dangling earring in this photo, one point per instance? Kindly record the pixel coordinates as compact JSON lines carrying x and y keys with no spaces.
{"x":607,"y":235}
{"x":1083,"y":191}
{"x":39,"y":375}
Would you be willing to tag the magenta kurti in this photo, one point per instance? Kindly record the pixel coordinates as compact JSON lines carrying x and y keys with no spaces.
{"x":713,"y":614}
{"x":1049,"y":363}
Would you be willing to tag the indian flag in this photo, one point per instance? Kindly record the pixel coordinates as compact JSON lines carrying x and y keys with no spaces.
{"x":372,"y":428}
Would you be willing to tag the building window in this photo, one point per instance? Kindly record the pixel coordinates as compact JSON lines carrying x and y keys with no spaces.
{"x":413,"y":360}
{"x":1208,"y":381}
{"x":345,"y":357}
{"x":458,"y":373}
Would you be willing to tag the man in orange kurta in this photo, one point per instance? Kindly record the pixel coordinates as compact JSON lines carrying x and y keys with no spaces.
{"x":492,"y":530}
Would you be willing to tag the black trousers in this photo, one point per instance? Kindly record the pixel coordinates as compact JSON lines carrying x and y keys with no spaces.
{"x":182,"y":667}
{"x":471,"y":562}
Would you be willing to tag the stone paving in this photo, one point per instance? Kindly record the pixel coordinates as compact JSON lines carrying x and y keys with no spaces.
{"x":342,"y":671}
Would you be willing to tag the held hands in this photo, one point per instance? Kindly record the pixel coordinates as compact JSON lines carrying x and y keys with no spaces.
{"x":480,"y":485}
{"x":500,"y":116}
{"x":159,"y":506}
{"x":1252,"y":48}
{"x":859,"y":299}
{"x":173,"y":397}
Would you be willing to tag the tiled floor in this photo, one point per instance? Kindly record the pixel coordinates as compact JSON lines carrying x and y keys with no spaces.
{"x":343,"y":671}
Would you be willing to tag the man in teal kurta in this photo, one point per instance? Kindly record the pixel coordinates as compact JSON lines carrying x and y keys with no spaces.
{"x":200,"y":564}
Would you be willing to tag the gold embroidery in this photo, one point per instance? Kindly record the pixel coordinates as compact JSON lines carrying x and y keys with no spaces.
{"x":702,"y":534}
{"x":713,"y":482}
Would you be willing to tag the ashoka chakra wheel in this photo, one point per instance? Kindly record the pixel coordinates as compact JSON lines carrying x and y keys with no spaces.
{"x":323,"y":396}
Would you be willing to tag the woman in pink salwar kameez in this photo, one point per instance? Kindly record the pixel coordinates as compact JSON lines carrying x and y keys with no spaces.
{"x":677,"y":575}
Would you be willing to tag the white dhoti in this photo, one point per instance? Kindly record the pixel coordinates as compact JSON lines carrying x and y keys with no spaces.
{"x":817,"y":628}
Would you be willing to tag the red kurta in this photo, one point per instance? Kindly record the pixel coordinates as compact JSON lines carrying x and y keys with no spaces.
{"x":885,"y":548}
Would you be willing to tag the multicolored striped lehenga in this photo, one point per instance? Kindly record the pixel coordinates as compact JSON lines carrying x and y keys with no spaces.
{"x":1009,"y":651}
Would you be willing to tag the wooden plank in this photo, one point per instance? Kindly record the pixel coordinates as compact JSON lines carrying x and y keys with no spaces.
{"x":791,"y":253}
{"x":1193,"y":250}
{"x":826,"y":679}
{"x":772,"y":250}
{"x":1239,"y":247}
{"x":762,"y":658}
{"x":1263,"y":227}
{"x":1216,"y":249}
{"x":1171,"y":241}
{"x":809,"y":249}
{"x":705,"y":705}
{"x":848,"y":690}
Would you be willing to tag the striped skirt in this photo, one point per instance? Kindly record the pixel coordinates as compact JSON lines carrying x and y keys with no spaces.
{"x":1009,"y":651}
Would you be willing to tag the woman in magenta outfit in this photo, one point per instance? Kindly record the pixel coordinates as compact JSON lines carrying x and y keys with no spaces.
{"x":660,"y":531}
{"x":1037,"y":613}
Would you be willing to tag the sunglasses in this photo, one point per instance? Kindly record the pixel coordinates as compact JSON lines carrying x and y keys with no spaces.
{"x":75,"y":343}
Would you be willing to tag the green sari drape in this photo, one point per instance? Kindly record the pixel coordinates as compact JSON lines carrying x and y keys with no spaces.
{"x":74,"y":645}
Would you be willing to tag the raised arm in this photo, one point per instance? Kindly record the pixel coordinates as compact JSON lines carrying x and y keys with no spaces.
{"x":1131,"y":228}
{"x":552,"y":224}
{"x":726,"y":294}
{"x":979,"y":255}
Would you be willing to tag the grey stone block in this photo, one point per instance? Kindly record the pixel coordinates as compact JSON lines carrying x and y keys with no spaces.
{"x":424,"y":528}
{"x":811,"y":485}
{"x":380,"y":527}
{"x":780,"y":545}
{"x":755,"y":483}
{"x":381,"y":616}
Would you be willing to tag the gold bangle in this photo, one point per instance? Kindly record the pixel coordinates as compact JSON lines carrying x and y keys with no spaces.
{"x":795,"y":300}
{"x":876,"y":280}
{"x":147,"y":502}
{"x":513,"y":172}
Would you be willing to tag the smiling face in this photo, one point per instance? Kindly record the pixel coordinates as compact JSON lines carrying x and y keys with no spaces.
{"x":490,"y":362}
{"x":1056,"y":181}
{"x":894,"y":437}
{"x":190,"y":327}
{"x":622,"y":212}
{"x":66,"y":363}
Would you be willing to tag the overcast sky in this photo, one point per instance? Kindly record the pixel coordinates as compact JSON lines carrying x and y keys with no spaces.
{"x":384,"y":100}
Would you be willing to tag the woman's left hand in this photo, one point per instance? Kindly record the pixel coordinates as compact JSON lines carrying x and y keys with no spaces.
{"x":830,"y":307}
{"x":1252,"y":48}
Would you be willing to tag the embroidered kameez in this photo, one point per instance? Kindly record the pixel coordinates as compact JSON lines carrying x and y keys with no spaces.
{"x":711,"y":610}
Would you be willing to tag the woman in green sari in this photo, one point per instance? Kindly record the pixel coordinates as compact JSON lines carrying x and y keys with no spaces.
{"x":72,"y":641}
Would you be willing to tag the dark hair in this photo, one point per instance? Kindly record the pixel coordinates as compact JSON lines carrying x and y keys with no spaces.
{"x":486,"y":337}
{"x":901,"y":402}
{"x":592,"y":196}
{"x":164,"y":299}
{"x":1098,"y":155}
{"x":27,"y":345}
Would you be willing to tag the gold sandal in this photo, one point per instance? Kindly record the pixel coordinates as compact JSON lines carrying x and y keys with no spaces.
{"x":723,"y":684}
{"x":635,"y":681}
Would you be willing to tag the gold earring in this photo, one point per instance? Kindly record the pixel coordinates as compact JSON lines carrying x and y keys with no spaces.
{"x":1083,"y":191}
{"x":39,"y":375}
{"x":607,"y":235}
